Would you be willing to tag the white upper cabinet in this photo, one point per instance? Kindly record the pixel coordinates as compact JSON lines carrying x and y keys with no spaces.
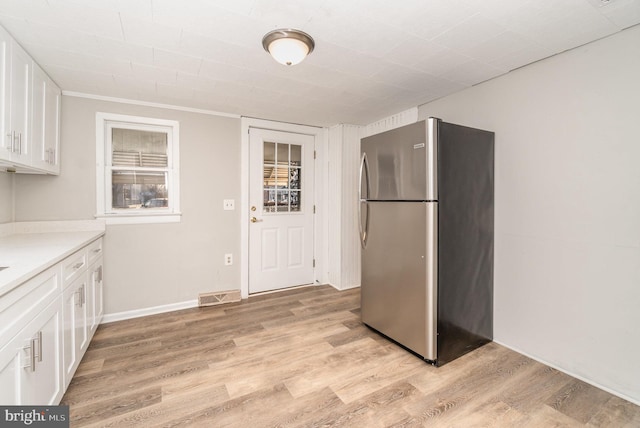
{"x":30,"y":112}
{"x":5,"y":73}
{"x":45,"y":119}
{"x":19,"y":105}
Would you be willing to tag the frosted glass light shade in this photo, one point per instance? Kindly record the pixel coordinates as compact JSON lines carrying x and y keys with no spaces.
{"x":287,"y":46}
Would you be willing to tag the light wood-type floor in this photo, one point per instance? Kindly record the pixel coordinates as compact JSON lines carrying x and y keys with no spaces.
{"x":302,"y":358}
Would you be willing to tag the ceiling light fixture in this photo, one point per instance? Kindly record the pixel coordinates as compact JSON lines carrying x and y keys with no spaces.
{"x":288,"y":46}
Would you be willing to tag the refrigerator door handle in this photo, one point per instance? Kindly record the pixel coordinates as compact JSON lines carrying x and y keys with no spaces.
{"x":364,"y":231}
{"x":364,"y":173}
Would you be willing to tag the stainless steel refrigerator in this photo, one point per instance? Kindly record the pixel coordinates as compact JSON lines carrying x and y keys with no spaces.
{"x":426,"y":231}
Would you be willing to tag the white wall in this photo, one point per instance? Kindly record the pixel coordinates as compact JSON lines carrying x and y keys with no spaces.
{"x":343,"y":241}
{"x":155,"y":264}
{"x":6,"y":197}
{"x":567,"y":256}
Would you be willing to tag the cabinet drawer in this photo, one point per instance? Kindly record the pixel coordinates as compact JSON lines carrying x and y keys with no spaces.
{"x":94,"y":250}
{"x":18,"y":306}
{"x":73,"y":266}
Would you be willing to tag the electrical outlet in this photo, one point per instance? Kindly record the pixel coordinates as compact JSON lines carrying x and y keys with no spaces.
{"x":228,"y":259}
{"x":229,"y":204}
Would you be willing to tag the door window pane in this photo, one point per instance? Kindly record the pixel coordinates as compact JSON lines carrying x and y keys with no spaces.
{"x":269,"y":153}
{"x":282,"y":172}
{"x":295,"y":202}
{"x":296,"y":155}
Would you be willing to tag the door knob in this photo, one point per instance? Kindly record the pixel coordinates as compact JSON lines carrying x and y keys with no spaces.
{"x":254,"y":220}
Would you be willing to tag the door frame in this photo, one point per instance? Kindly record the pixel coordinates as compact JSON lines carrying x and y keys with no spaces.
{"x":320,"y":196}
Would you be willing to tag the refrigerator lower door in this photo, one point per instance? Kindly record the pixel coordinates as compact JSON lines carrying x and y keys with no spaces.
{"x":398,"y":273}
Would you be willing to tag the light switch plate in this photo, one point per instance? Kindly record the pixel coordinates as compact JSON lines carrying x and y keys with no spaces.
{"x":229,"y":204}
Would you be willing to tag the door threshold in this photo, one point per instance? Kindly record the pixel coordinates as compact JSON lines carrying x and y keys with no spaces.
{"x":295,"y":287}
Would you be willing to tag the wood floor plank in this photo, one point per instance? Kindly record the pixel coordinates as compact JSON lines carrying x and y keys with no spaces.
{"x":302,"y":358}
{"x":579,"y":400}
{"x":616,"y":412}
{"x":157,"y":414}
{"x":118,"y":405}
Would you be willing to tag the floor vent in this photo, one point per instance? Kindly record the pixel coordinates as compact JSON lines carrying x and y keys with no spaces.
{"x":218,"y":298}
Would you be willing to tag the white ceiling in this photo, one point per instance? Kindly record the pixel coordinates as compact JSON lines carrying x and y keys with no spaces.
{"x":372,"y":58}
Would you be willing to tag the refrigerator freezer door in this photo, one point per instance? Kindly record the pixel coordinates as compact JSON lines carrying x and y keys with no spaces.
{"x":398,"y":268}
{"x":399,"y":164}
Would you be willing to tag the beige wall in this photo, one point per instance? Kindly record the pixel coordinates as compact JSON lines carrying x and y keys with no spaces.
{"x":567,"y":254}
{"x":6,"y":197}
{"x":154,"y":264}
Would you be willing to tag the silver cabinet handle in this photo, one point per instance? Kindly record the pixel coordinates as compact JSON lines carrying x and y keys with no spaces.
{"x":78,"y":297}
{"x":17,"y":147}
{"x":84,"y":294}
{"x":78,"y":265}
{"x":52,"y":156}
{"x":32,"y":355}
{"x":81,"y":296}
{"x":97,"y":250}
{"x":38,"y":338}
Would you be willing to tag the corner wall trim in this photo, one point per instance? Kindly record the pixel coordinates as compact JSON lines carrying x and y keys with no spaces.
{"x":348,"y":287}
{"x":136,"y":313}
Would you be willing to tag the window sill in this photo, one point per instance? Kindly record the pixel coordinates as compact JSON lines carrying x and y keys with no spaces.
{"x":140,"y":218}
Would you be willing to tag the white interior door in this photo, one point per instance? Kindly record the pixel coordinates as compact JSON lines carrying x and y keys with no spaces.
{"x":281,"y":210}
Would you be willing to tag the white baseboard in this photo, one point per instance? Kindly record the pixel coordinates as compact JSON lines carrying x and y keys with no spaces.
{"x":589,"y":381}
{"x":136,"y":313}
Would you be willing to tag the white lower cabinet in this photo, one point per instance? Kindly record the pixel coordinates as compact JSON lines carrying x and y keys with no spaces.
{"x":75,"y":335}
{"x":30,"y":369}
{"x":95,"y":306}
{"x":46,"y":325}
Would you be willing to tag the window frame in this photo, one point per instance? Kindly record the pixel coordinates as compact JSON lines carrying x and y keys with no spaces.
{"x":104,"y":123}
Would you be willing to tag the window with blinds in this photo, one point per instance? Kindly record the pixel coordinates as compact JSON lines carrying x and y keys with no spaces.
{"x":140,"y":167}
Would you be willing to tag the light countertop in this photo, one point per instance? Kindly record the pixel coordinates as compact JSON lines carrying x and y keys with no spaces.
{"x":31,"y":247}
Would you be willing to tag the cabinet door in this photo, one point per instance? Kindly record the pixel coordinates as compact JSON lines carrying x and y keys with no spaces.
{"x":41,"y":378}
{"x":10,"y":369}
{"x":94,"y":296}
{"x":38,"y":101}
{"x":75,"y":337}
{"x":52,"y":126}
{"x":5,"y":76}
{"x":30,"y":371}
{"x":45,"y":107}
{"x":20,"y":95}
